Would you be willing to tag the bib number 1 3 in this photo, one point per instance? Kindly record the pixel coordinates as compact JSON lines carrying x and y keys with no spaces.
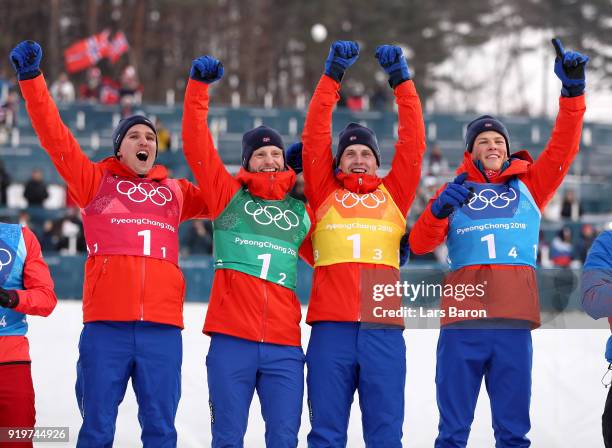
{"x":265,"y":267}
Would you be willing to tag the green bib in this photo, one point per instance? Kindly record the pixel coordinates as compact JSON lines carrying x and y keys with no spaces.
{"x":260,"y":237}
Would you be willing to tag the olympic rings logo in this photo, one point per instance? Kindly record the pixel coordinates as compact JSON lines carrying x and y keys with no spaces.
{"x":369,"y":200}
{"x":488,"y":196}
{"x":143,"y":191}
{"x":5,"y":263}
{"x":266,"y":215}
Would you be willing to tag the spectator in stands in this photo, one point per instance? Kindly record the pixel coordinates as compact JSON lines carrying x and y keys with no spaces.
{"x":164,"y":138}
{"x":570,"y":206}
{"x":587,"y":236}
{"x":70,"y":231}
{"x":62,"y":90}
{"x":8,"y":111}
{"x":199,"y":239}
{"x":5,"y":181}
{"x":562,"y":249}
{"x":36,"y":190}
{"x":90,"y":91}
{"x":379,"y":99}
{"x":437,"y":164}
{"x":130,"y":90}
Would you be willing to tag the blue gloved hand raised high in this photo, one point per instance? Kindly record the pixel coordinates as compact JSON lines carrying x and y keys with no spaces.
{"x":455,"y":195}
{"x":25,"y":58}
{"x":569,"y":68}
{"x":404,"y":250}
{"x":394,"y":63}
{"x":206,"y":69}
{"x":609,"y":350}
{"x":342,"y":54}
{"x":293,"y":154}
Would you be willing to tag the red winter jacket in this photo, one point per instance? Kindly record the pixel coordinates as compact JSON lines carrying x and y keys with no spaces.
{"x":116,"y":287}
{"x":241,"y":305}
{"x":542,"y":178}
{"x":37,"y":298}
{"x":336,"y":288}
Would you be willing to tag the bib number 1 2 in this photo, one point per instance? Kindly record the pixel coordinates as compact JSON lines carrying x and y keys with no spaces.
{"x":265,"y":267}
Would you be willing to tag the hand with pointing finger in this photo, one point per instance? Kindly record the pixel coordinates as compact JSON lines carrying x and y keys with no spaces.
{"x":569,"y":68}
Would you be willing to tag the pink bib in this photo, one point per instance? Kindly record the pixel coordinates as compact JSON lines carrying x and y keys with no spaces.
{"x":133,"y":216}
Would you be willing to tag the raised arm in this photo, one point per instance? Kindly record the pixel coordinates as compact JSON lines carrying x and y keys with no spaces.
{"x":317,"y":136}
{"x":81,"y":175}
{"x":216,"y":184}
{"x":548,"y":171}
{"x":405,"y":174}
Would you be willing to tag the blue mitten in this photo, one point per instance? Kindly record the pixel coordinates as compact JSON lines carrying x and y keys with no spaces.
{"x":394,"y":63}
{"x":25,"y":58}
{"x":609,"y":350}
{"x":569,"y":68}
{"x":455,"y":195}
{"x":293,"y":155}
{"x":342,"y":54}
{"x":206,"y":69}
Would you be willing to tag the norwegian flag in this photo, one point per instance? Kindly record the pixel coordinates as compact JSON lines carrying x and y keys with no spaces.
{"x":118,"y":46}
{"x":86,"y":52}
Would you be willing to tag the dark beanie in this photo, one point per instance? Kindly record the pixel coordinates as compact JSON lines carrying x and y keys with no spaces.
{"x":482,"y":124}
{"x":125,"y":125}
{"x":258,"y":138}
{"x":355,"y":134}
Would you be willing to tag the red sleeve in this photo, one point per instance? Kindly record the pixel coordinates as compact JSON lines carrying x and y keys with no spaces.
{"x":194,"y":205}
{"x":216,"y":184}
{"x":405,"y":174}
{"x":317,"y":160}
{"x":428,"y":231}
{"x":38,"y":297}
{"x":547,"y":173}
{"x":81,"y":175}
{"x":306,"y":251}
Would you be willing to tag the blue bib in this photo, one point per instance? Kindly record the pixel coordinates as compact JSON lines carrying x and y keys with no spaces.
{"x":12,"y":259}
{"x":500,"y":225}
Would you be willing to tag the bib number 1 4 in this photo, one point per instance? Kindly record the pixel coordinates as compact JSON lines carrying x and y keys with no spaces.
{"x":490,"y":241}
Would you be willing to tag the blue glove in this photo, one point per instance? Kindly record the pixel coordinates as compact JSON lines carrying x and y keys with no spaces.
{"x":342,"y":54}
{"x":609,"y":350}
{"x":569,"y":68}
{"x":455,"y":195}
{"x":394,"y":63}
{"x":293,"y":155}
{"x":206,"y":69}
{"x":25,"y":58}
{"x":404,"y":250}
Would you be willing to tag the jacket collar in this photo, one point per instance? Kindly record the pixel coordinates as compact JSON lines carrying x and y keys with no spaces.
{"x":157,"y":172}
{"x":270,"y":186}
{"x":358,"y":183}
{"x":519,"y":164}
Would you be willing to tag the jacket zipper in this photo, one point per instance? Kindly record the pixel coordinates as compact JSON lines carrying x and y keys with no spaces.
{"x":265,"y":313}
{"x":142,"y":286}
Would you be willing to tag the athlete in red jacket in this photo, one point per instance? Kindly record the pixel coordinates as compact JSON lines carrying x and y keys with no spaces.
{"x":254,"y":316}
{"x":490,"y":218}
{"x":133,"y":289}
{"x":26,"y":288}
{"x":360,"y":219}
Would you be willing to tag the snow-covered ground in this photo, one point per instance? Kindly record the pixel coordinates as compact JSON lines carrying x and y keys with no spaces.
{"x":567,"y":400}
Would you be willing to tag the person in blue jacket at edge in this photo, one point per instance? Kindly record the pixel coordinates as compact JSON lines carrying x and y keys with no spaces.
{"x":597,"y":302}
